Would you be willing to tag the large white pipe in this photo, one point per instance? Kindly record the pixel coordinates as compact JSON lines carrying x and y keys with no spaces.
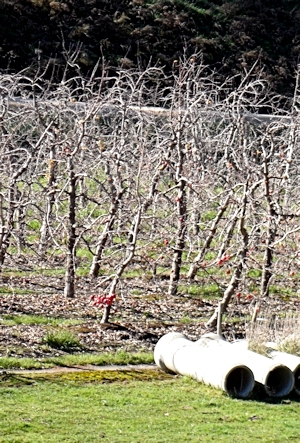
{"x":292,"y":362}
{"x":274,"y":374}
{"x":166,"y":348}
{"x":231,"y":367}
{"x":289,"y":360}
{"x":175,"y":353}
{"x":16,"y":102}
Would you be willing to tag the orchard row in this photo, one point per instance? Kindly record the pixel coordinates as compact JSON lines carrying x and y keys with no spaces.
{"x":174,"y":182}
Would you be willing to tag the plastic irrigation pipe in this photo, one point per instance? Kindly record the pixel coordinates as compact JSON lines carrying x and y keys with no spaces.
{"x":176,"y":354}
{"x":274,"y":374}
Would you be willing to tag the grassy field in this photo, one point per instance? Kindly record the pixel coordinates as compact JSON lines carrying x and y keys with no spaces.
{"x":136,"y":407}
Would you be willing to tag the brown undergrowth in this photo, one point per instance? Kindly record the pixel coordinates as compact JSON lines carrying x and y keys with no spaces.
{"x":31,"y":308}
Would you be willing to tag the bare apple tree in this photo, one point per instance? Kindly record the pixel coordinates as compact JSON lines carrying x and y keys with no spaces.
{"x":164,"y":177}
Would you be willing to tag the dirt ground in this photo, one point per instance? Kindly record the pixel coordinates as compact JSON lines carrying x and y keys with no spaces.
{"x":137,"y":323}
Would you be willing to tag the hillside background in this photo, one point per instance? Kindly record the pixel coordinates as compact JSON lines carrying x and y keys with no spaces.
{"x":232,"y":35}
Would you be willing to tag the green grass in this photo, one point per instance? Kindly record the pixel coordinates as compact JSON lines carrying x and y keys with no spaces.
{"x":50,"y":272}
{"x":104,"y":359}
{"x":34,"y":224}
{"x":26,"y":319}
{"x":129,"y":407}
{"x":13,"y":290}
{"x":92,"y":211}
{"x":185,"y":320}
{"x":83,"y":271}
{"x":191,"y":289}
{"x":137,"y":292}
{"x":290,"y":346}
{"x":133,"y":273}
{"x":255,"y":273}
{"x":84,"y":254}
{"x":101,"y":359}
{"x":53,"y":272}
{"x":236,"y":319}
{"x":209,"y":215}
{"x":21,"y":363}
{"x":62,"y":339}
{"x":284,"y":291}
{"x":210,"y":291}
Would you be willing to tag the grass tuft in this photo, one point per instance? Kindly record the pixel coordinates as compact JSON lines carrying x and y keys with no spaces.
{"x":62,"y":340}
{"x":32,"y":320}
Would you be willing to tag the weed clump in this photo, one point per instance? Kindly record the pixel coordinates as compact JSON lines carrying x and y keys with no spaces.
{"x":62,"y":340}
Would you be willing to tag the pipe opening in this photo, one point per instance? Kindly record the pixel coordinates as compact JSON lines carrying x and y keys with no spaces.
{"x":239,"y":382}
{"x":297,"y":380}
{"x":279,"y":382}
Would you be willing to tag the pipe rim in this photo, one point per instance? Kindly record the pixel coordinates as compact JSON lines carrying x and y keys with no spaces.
{"x":297,"y":380}
{"x":279,"y":381}
{"x":239,"y":382}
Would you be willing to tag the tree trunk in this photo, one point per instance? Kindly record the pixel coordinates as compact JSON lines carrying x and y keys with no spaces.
{"x":195,"y":265}
{"x":180,"y":240}
{"x":235,"y":279}
{"x":8,"y":225}
{"x":270,"y":234}
{"x":95,"y":268}
{"x":69,"y":290}
{"x":50,"y":202}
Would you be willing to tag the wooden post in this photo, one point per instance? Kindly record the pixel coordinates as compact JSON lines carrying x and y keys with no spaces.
{"x":219,"y":320}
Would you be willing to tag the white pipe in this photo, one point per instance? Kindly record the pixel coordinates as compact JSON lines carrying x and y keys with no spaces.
{"x":292,"y":362}
{"x":229,"y":366}
{"x":150,"y":110}
{"x":289,"y":360}
{"x":166,"y":349}
{"x":276,"y":377}
{"x":175,"y":353}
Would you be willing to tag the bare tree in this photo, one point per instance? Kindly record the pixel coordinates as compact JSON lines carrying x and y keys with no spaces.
{"x":138,"y":171}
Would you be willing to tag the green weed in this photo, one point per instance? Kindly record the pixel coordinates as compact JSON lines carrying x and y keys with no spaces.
{"x":254,"y":273}
{"x":84,"y":253}
{"x":62,"y":339}
{"x":186,"y":320}
{"x":34,"y":224}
